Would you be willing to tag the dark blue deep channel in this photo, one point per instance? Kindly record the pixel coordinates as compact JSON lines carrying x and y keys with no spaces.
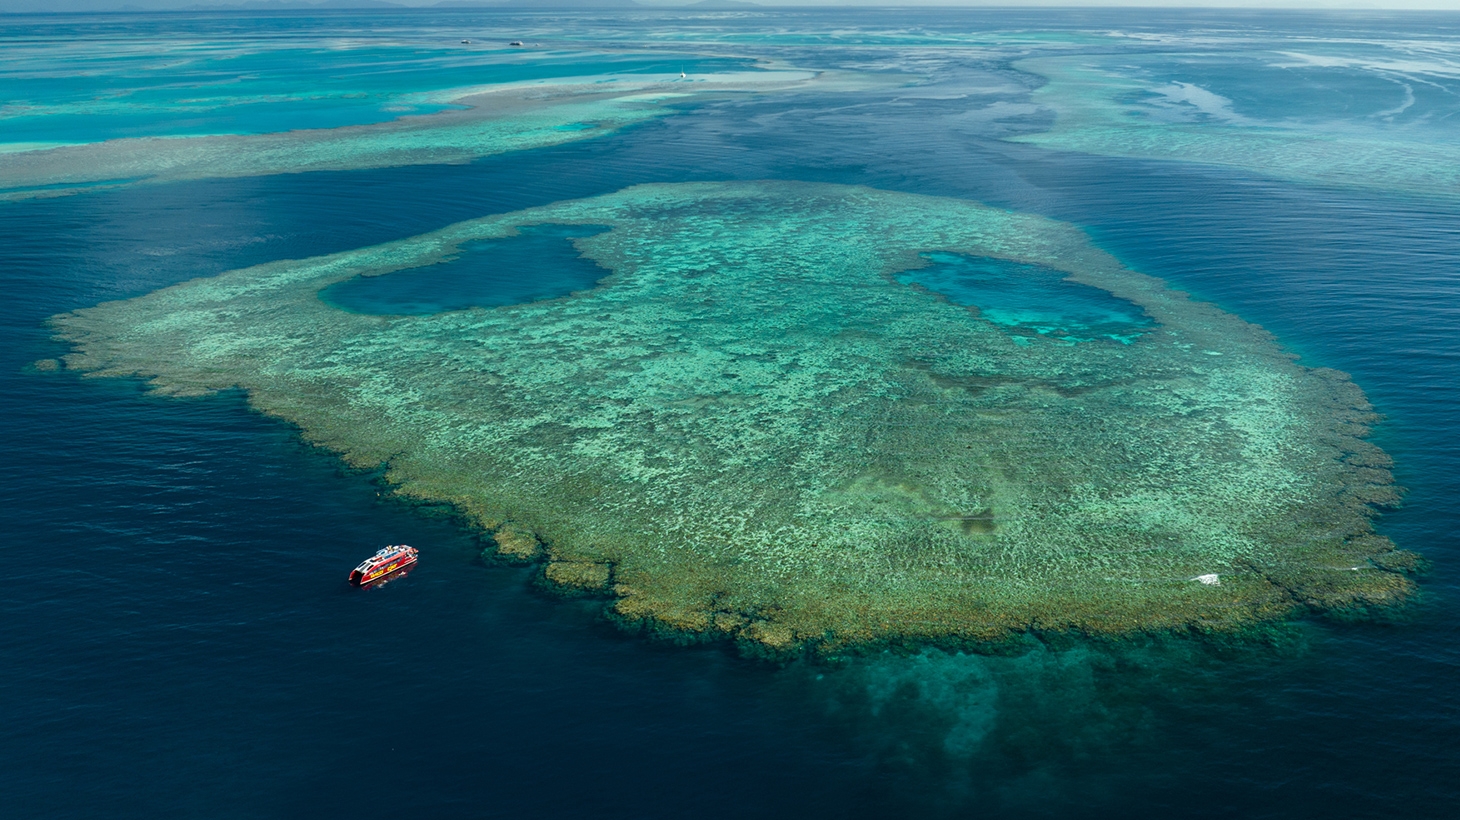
{"x":180,"y":642}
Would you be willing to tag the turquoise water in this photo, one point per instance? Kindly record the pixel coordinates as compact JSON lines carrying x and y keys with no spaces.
{"x":96,"y":88}
{"x":1030,"y":300}
{"x":145,"y":676}
{"x":540,"y":263}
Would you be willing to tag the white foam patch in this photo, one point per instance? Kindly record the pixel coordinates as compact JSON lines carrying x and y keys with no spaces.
{"x":1213,"y":105}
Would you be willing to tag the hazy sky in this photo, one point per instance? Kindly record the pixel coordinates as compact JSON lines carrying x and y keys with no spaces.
{"x":82,"y":5}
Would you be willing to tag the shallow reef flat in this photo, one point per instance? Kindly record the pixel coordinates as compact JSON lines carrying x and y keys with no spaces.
{"x":1098,"y":110}
{"x":508,"y":122}
{"x":750,"y":428}
{"x":495,"y":120}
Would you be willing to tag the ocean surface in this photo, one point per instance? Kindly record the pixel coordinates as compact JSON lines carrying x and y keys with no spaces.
{"x":180,"y":641}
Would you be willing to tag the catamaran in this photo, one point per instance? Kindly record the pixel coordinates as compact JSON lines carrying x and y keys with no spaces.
{"x":390,"y":559}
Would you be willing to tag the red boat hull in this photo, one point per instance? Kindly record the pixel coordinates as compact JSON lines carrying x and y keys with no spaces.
{"x":388,"y":577}
{"x":375,"y":570}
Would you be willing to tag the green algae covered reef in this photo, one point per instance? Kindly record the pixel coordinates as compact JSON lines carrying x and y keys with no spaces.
{"x":750,"y":429}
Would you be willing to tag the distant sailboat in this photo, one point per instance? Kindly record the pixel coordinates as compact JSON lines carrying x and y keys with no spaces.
{"x":681,"y":74}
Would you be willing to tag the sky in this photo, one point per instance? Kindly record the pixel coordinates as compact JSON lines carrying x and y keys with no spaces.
{"x":99,"y":5}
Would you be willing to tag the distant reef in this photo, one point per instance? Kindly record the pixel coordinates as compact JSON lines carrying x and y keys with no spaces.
{"x":491,"y":119}
{"x":753,"y":429}
{"x":33,"y":6}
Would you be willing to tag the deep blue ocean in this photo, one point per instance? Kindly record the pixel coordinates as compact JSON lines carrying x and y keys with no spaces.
{"x":179,"y":640}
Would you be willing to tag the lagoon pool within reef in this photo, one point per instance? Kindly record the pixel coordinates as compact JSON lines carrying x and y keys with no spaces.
{"x":759,"y":426}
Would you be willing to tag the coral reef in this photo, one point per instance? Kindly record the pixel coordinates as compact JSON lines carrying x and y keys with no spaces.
{"x":496,"y":119}
{"x":752,"y":429}
{"x":1098,"y":110}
